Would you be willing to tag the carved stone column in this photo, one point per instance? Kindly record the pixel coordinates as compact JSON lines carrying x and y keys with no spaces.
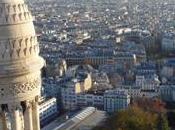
{"x":5,"y":121}
{"x":1,"y":119}
{"x":17,"y":120}
{"x":21,"y":115}
{"x":35,"y":109}
{"x":15,"y":117}
{"x":28,"y":122}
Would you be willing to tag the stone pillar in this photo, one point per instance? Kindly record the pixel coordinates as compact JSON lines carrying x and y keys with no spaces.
{"x":28,"y":122}
{"x":21,"y":115}
{"x":1,"y":123}
{"x":35,"y":109}
{"x":1,"y":119}
{"x":5,"y":122}
{"x":14,"y":116}
{"x":17,"y":120}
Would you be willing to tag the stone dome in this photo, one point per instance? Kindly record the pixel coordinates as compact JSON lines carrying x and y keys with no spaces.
{"x":20,"y":62}
{"x":11,"y":1}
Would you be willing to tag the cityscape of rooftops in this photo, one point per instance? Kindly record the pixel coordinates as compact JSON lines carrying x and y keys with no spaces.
{"x":117,"y":56}
{"x":108,"y":64}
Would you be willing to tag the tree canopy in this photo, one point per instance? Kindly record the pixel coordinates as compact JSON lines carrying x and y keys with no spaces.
{"x":138,"y":117}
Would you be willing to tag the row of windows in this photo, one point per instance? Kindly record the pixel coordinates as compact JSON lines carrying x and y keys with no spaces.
{"x":50,"y":105}
{"x":47,"y":113}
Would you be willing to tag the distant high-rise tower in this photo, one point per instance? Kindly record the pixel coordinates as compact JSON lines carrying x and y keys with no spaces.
{"x":20,"y":64}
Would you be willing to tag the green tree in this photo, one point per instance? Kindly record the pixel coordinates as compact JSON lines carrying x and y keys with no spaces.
{"x":133,"y":118}
{"x":144,"y":114}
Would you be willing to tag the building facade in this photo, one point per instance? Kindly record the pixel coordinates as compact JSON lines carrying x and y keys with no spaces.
{"x":87,"y":99}
{"x":115,"y":100}
{"x":72,"y":88}
{"x":47,"y":110}
{"x":168,"y":42}
{"x":167,"y":93}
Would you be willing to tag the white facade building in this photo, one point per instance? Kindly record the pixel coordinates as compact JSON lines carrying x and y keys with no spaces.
{"x":133,"y":91}
{"x":149,"y":85}
{"x":167,"y":93}
{"x":115,"y":100}
{"x":95,"y":100}
{"x":168,"y":42}
{"x":147,"y":82}
{"x":47,"y":108}
{"x":72,"y":88}
{"x":168,"y":68}
{"x":68,"y":95}
{"x":72,"y":100}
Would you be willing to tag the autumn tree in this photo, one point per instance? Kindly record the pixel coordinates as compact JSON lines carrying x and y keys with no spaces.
{"x":132,"y":119}
{"x":151,"y":105}
{"x":143,"y":114}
